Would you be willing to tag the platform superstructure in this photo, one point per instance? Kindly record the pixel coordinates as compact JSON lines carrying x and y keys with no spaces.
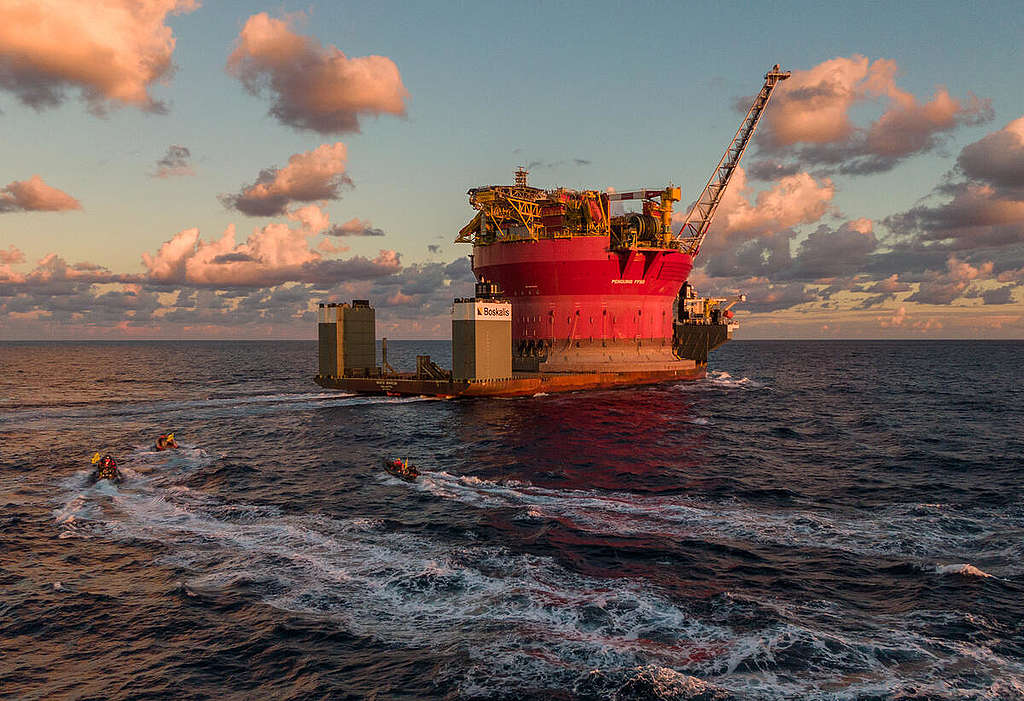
{"x":593,"y":291}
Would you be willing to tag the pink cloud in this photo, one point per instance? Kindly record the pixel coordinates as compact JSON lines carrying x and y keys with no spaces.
{"x":398,"y":298}
{"x":266,"y":286}
{"x":983,"y":209}
{"x":329,"y":248}
{"x":752,"y":232}
{"x":928,"y":324}
{"x":309,"y":176}
{"x":313,"y":219}
{"x":810,"y":117}
{"x":12,"y":256}
{"x":271,"y":255}
{"x":795,"y":199}
{"x":998,"y":158}
{"x":52,"y":275}
{"x":909,"y":126}
{"x":944,"y":287}
{"x":1012,"y":275}
{"x":267,"y":257}
{"x":113,"y":51}
{"x":896,"y":319}
{"x":976,"y":215}
{"x":34,"y":195}
{"x":889,"y":286}
{"x":312,"y":86}
{"x":813,"y":105}
{"x":355,"y":227}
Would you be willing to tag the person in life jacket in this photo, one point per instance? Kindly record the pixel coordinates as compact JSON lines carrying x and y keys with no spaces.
{"x":402,"y":469}
{"x":166,"y":442}
{"x":106,"y":469}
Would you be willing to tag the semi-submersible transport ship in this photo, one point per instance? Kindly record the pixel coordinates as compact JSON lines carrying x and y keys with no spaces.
{"x":569,"y":295}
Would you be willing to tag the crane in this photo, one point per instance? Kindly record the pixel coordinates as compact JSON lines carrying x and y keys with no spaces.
{"x":698,"y":219}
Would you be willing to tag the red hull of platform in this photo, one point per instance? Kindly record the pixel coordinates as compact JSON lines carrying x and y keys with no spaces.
{"x":568,"y":289}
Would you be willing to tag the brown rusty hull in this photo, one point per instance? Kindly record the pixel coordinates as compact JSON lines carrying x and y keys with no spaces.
{"x":520,"y":385}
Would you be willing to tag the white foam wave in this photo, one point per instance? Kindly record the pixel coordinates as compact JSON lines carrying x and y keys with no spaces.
{"x":525,"y":622}
{"x":920,"y":533}
{"x":720,"y":378}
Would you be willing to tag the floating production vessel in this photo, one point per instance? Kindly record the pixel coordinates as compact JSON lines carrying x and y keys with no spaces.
{"x":570,"y":295}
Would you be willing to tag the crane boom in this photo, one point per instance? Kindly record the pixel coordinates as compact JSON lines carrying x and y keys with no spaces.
{"x":698,"y":219}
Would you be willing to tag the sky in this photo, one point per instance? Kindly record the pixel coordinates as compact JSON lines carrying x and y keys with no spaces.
{"x":186,"y":169}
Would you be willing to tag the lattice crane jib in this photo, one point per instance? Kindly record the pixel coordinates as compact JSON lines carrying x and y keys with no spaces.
{"x":698,"y":219}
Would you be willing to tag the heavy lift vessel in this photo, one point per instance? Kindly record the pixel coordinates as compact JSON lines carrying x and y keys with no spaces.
{"x":569,"y":294}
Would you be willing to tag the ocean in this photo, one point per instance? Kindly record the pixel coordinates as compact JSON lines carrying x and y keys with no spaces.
{"x":815,"y":520}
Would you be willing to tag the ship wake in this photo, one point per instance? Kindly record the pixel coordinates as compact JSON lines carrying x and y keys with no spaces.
{"x":527,"y":623}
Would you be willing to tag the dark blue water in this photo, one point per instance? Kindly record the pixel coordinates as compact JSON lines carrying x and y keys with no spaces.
{"x":823,"y":520}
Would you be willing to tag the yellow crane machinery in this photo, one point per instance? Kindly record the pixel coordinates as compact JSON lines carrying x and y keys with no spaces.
{"x":520,"y":212}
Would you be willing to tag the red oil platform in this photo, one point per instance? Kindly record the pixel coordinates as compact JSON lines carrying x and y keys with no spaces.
{"x":570,"y":295}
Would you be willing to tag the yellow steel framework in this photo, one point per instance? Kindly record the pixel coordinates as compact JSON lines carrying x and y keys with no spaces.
{"x":512,"y":213}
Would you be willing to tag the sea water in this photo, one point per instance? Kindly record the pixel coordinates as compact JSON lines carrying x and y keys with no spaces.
{"x":815,"y":520}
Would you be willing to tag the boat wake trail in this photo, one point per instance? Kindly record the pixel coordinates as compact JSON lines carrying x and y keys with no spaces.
{"x":526,"y":623}
{"x":723,"y":380}
{"x":921,"y":533}
{"x":214,"y":407}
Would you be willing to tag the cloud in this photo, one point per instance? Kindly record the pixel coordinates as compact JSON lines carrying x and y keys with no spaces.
{"x":976,"y":216}
{"x":272,"y":255}
{"x":896,"y":319}
{"x":810,"y":121}
{"x":944,"y":287}
{"x":771,"y":169}
{"x":1011,"y":275}
{"x":889,"y":286}
{"x":177,"y":161}
{"x":33,"y":195}
{"x":983,"y":203}
{"x":882,"y":291}
{"x":12,"y":256}
{"x":112,"y":51}
{"x":53,"y":276}
{"x":313,"y":87}
{"x":796,"y":199}
{"x":234,"y":257}
{"x":265,"y":287}
{"x":766,"y":296}
{"x":423,"y":289}
{"x":998,"y":158}
{"x":999,"y":295}
{"x":329,"y":247}
{"x":355,"y":227}
{"x":751,"y":237}
{"x":309,"y":177}
{"x":83,"y":296}
{"x":829,"y":253}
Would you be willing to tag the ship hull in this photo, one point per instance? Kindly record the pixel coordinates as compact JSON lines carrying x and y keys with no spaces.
{"x":519,"y":385}
{"x":569,"y":290}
